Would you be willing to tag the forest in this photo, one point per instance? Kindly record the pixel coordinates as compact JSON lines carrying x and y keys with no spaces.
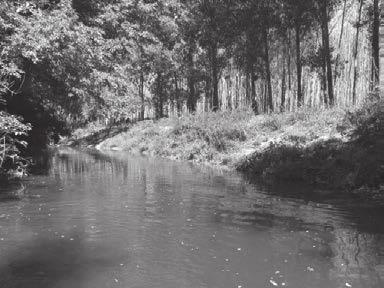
{"x":67,"y":63}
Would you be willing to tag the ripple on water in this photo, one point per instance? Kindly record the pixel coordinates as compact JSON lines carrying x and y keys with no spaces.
{"x":121,"y":221}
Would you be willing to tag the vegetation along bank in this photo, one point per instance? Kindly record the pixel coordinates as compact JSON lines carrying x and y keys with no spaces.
{"x":250,"y":84}
{"x":330,"y":148}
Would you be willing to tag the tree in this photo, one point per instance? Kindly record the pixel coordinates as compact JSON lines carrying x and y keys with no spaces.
{"x":299,"y":17}
{"x":376,"y":44}
{"x":356,"y":50}
{"x":324,"y":7}
{"x":213,"y":16}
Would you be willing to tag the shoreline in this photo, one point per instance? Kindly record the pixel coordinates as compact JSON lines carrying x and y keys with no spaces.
{"x":327,"y":149}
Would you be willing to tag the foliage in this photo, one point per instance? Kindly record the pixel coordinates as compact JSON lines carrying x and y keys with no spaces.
{"x":81,"y":61}
{"x":89,"y":59}
{"x":224,"y":137}
{"x":351,"y":161}
{"x":11,"y":132}
{"x":368,"y":121}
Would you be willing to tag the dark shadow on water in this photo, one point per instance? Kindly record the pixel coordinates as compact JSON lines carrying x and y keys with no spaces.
{"x":345,"y":236}
{"x":56,"y":262}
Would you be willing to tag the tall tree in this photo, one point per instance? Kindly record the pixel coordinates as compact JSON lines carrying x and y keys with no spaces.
{"x":356,"y":50}
{"x":376,"y":44}
{"x":324,"y":8}
{"x":299,"y":15}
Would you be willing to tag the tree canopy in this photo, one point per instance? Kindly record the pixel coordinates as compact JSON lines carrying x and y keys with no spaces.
{"x":82,"y":60}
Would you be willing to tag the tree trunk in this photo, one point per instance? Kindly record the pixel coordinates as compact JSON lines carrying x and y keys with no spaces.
{"x":159,"y":97}
{"x":324,"y":79}
{"x":283,"y":84}
{"x":269,"y":100}
{"x":298,"y":63}
{"x":327,"y":51}
{"x":141,"y":92}
{"x":337,"y":61}
{"x":355,"y":53}
{"x":289,"y":62}
{"x":214,"y":78}
{"x":248,"y":93}
{"x":208,"y":94}
{"x":375,"y":45}
{"x":255,"y":107}
{"x":191,"y":102}
{"x":177,"y":92}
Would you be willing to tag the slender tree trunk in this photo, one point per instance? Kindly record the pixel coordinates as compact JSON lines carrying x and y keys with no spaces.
{"x":298,"y":63}
{"x":249,"y":70}
{"x":159,"y":97}
{"x":375,"y":44}
{"x":248,"y":93}
{"x":355,"y":53}
{"x":340,"y":39}
{"x":141,"y":92}
{"x":228,"y":83}
{"x":177,"y":92}
{"x":289,"y":62}
{"x":191,"y":102}
{"x":215,"y":78}
{"x":324,"y":79}
{"x":208,"y":94}
{"x":269,"y":100}
{"x":283,"y":84}
{"x":342,"y":22}
{"x":255,"y":107}
{"x":327,"y":51}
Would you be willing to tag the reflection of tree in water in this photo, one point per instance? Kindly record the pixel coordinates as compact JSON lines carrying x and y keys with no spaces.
{"x":354,"y":255}
{"x":357,"y":261}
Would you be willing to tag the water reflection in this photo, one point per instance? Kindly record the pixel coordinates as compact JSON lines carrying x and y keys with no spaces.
{"x":117,"y":221}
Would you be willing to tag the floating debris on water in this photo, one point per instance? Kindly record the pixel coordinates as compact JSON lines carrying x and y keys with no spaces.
{"x":274,"y":283}
{"x":310,"y":269}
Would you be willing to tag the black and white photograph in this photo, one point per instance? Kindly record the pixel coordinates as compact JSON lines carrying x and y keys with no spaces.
{"x":191,"y":143}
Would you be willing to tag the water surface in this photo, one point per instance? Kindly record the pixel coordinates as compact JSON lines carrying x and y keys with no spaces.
{"x":115,"y":220}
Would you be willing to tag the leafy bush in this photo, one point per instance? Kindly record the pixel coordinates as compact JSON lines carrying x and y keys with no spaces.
{"x":12,"y":164}
{"x":216,"y":129}
{"x":368,"y":122}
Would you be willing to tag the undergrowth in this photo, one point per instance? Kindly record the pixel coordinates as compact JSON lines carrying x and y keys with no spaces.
{"x":334,"y":148}
{"x":351,"y":159}
{"x":12,"y":131}
{"x":225,"y":137}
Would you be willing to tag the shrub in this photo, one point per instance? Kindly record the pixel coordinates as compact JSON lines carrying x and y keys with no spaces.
{"x":12,"y":164}
{"x":368,"y":121}
{"x":216,"y":129}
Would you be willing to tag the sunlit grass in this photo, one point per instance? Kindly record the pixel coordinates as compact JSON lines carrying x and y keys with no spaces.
{"x":225,"y":137}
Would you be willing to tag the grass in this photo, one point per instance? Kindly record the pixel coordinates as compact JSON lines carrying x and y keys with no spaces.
{"x":202,"y":137}
{"x":223,"y":138}
{"x":88,"y":130}
{"x":348,"y":158}
{"x":333,"y":148}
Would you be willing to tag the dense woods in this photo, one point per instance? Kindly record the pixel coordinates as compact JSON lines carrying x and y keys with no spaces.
{"x":64,"y":63}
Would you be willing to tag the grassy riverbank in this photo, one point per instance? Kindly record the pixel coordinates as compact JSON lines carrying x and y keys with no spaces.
{"x":332,"y":148}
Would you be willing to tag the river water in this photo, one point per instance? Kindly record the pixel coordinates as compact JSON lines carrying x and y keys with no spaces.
{"x":93,"y":220}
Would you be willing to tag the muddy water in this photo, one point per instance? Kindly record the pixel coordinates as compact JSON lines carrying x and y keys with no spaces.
{"x":122,"y":221}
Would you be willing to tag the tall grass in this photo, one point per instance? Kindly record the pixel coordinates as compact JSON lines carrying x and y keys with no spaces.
{"x":225,"y":136}
{"x":350,"y":158}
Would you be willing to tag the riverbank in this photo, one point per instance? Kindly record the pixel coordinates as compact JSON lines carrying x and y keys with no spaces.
{"x":332,"y":148}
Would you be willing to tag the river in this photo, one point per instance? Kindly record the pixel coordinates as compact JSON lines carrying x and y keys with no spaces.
{"x":97,"y":220}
